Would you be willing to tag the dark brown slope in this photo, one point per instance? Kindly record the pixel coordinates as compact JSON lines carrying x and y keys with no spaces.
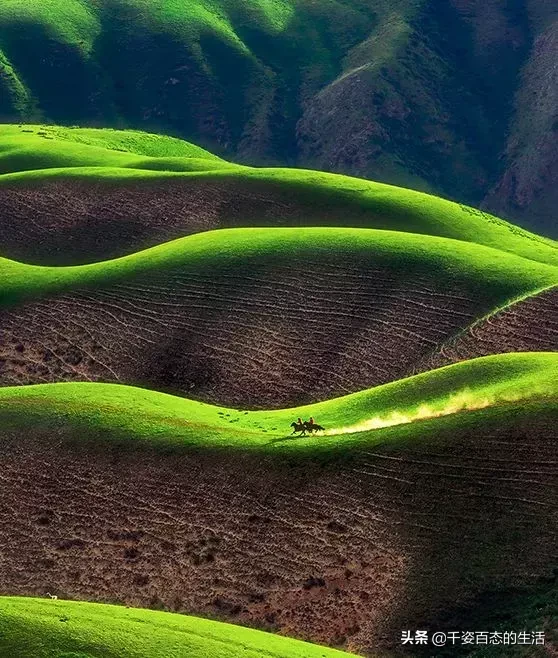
{"x":347,"y":550}
{"x":267,"y":335}
{"x":530,"y":324}
{"x":72,"y":222}
{"x":63,"y":222}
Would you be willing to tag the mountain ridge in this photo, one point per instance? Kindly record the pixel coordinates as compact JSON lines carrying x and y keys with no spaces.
{"x":435,"y":98}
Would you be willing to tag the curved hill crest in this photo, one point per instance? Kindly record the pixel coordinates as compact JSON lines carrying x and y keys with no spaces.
{"x":39,"y":627}
{"x":145,"y":280}
{"x":255,"y":317}
{"x":439,"y":98}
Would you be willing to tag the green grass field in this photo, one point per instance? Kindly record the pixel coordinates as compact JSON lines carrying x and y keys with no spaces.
{"x":136,"y":142}
{"x":367,"y":416}
{"x":42,"y":628}
{"x":495,"y":276}
{"x":132,"y":158}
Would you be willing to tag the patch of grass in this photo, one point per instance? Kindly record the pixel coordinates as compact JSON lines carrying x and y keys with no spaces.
{"x":73,"y":20}
{"x":46,"y":628}
{"x":49,"y":46}
{"x":388,"y":412}
{"x":129,"y":141}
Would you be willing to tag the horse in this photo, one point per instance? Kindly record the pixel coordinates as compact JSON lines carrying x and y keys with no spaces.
{"x":299,"y":427}
{"x":314,"y":427}
{"x":306,"y":427}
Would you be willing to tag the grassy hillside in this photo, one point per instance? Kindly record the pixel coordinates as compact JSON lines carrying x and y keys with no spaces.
{"x":496,"y":275}
{"x":209,"y":69}
{"x":168,"y":175}
{"x":261,"y":318}
{"x":45,"y":147}
{"x":522,"y":378}
{"x":41,"y":628}
{"x":125,"y":141}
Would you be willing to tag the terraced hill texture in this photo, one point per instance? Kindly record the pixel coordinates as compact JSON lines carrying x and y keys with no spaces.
{"x":165,"y":315}
{"x":530,"y":323}
{"x":384,"y":522}
{"x":457,"y":98}
{"x":256,"y":317}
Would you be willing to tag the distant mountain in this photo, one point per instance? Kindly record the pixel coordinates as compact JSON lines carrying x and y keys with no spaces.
{"x":458,"y":98}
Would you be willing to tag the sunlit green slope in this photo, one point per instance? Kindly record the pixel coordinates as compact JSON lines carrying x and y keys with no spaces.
{"x":495,"y":276}
{"x":112,"y":410}
{"x":42,"y":628}
{"x":127,"y":141}
{"x":29,"y":147}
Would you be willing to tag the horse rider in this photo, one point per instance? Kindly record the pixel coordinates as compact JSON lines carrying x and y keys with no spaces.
{"x":311,"y":421}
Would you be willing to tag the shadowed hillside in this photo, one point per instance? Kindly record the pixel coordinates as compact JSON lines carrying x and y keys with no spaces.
{"x":530,"y":323}
{"x":70,"y":196}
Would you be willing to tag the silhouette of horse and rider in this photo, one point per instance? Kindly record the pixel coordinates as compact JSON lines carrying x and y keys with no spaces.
{"x":305,"y":426}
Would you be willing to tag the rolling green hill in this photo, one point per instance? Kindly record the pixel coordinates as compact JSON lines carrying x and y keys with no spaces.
{"x":523,"y":379}
{"x":148,"y":459}
{"x":46,"y":147}
{"x":496,"y":275}
{"x":143,"y":189}
{"x":257,"y":317}
{"x":43,"y":628}
{"x":33,"y":137}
